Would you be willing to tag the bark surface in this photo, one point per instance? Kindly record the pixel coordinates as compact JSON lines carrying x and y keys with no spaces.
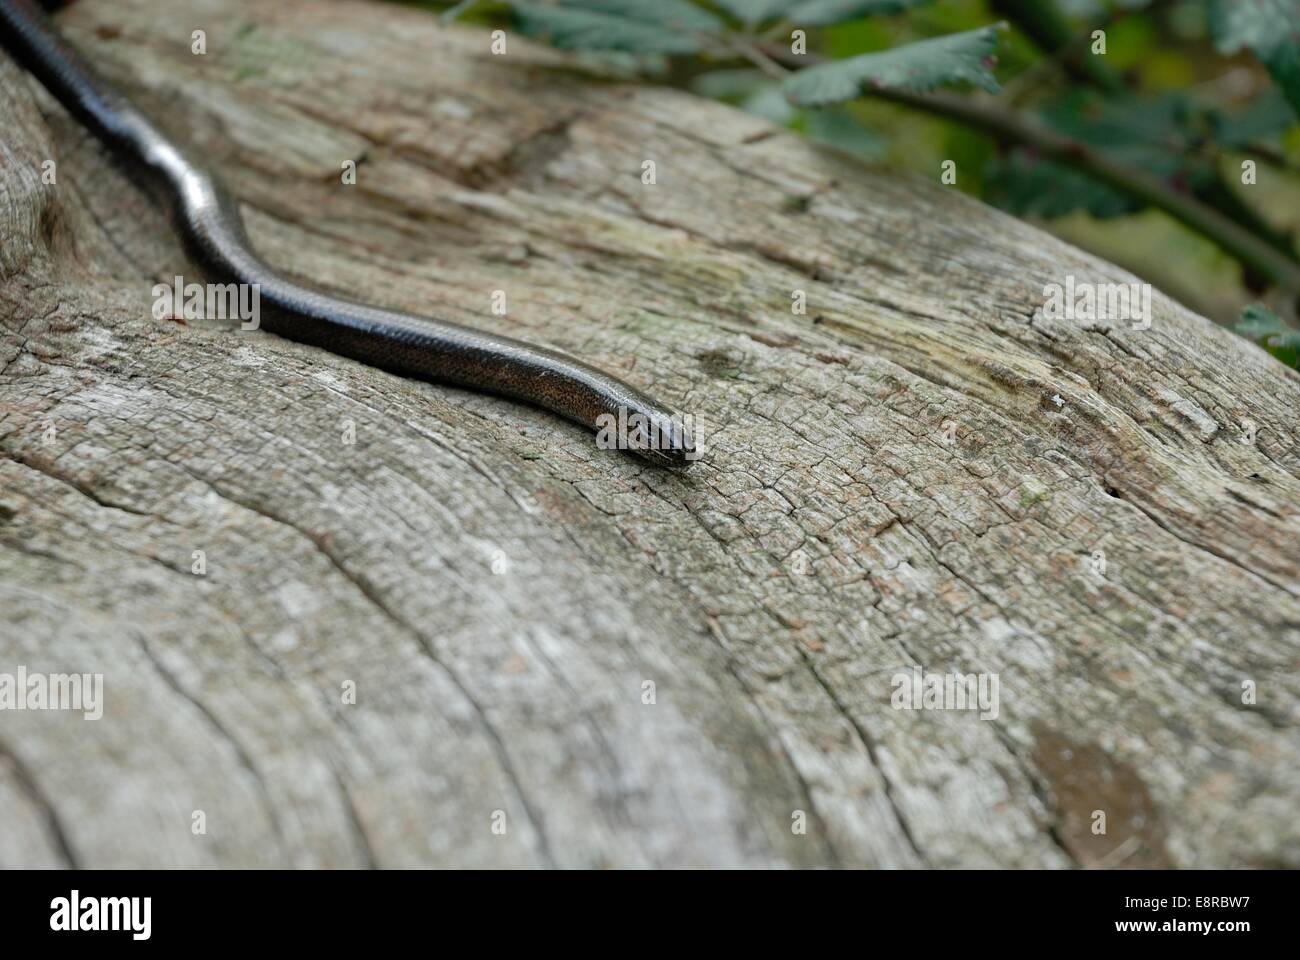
{"x":921,"y":471}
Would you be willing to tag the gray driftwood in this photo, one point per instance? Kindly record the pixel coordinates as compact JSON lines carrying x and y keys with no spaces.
{"x":500,"y":592}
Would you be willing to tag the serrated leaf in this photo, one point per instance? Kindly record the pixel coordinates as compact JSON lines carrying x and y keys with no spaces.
{"x":957,"y":58}
{"x":756,"y":11}
{"x":826,"y":13}
{"x":583,"y":25}
{"x":1270,"y":29}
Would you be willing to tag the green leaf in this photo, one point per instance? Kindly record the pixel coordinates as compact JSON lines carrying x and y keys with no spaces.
{"x":681,"y":15}
{"x":455,"y":10}
{"x":825,"y":13}
{"x":1030,"y":186}
{"x":957,"y":58}
{"x":756,"y":11}
{"x":626,"y":25}
{"x":1270,"y":29}
{"x":768,"y":103}
{"x":1265,"y":328}
{"x":732,"y":84}
{"x":1157,"y":134}
{"x":1264,"y":118}
{"x":1261,"y":323}
{"x":840,"y":129}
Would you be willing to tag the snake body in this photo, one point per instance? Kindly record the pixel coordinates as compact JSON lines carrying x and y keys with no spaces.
{"x":208,"y":222}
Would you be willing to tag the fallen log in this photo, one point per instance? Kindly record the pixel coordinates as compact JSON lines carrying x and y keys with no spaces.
{"x":345,"y":618}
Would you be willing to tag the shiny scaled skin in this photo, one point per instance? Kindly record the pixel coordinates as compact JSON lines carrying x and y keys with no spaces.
{"x":208,"y":222}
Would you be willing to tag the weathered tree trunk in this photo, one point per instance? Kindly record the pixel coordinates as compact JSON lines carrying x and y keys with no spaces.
{"x":921,"y":471}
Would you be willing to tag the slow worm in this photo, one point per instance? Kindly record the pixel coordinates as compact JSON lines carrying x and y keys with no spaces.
{"x":209,"y":224}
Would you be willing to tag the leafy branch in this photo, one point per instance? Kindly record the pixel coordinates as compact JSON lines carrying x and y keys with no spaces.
{"x":1014,"y":128}
{"x":1043,"y":22}
{"x":1127,"y":165}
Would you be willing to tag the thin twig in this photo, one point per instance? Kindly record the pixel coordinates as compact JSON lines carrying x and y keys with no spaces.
{"x":756,"y":55}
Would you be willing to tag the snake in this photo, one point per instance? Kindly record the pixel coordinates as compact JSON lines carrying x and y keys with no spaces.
{"x":207,"y":221}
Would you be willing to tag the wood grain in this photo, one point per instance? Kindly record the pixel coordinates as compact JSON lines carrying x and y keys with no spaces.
{"x":129,"y":443}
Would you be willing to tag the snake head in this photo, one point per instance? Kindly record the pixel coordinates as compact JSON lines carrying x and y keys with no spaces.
{"x":660,"y":436}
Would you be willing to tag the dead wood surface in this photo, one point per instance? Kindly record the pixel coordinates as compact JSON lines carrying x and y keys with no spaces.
{"x":830,"y":539}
